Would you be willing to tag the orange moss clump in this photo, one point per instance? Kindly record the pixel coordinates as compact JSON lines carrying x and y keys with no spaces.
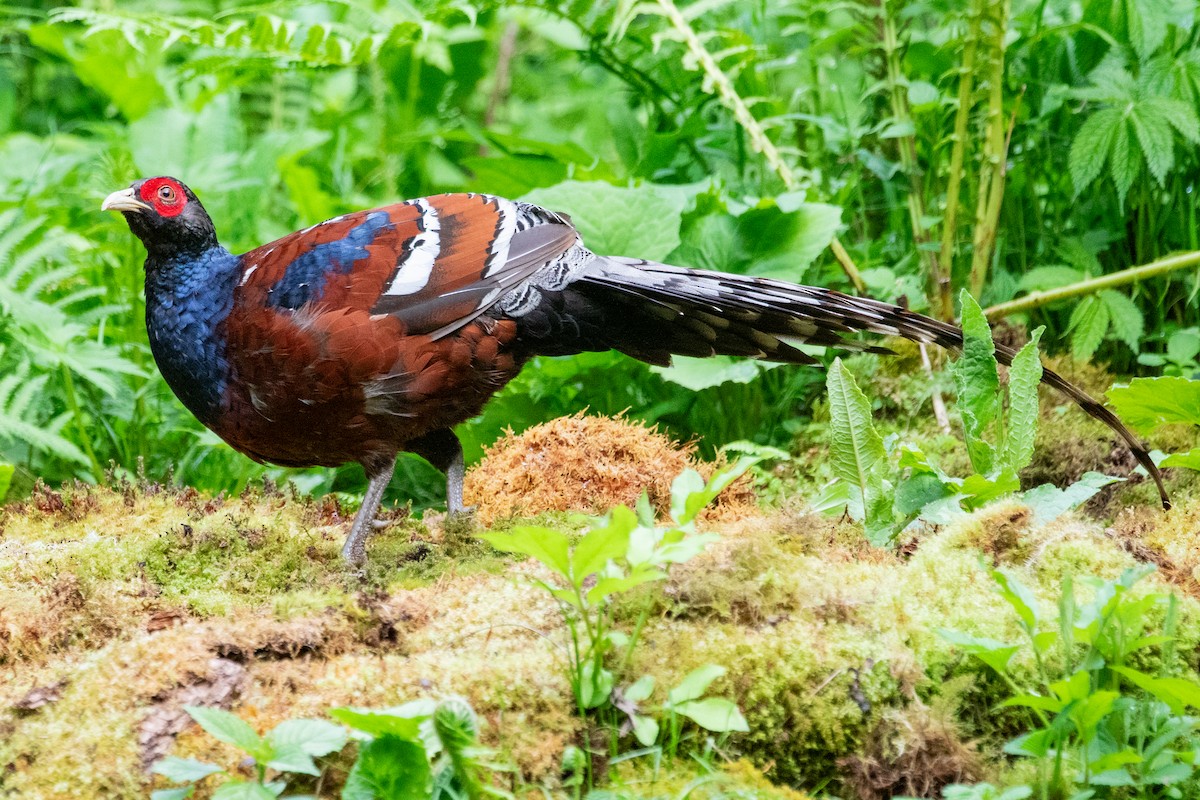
{"x":588,"y":464}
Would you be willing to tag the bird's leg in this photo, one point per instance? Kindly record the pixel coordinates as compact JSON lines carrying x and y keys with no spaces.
{"x":355,"y":549}
{"x":442,"y":449}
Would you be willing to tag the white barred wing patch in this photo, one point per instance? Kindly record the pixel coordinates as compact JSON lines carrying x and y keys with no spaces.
{"x":414,"y":271}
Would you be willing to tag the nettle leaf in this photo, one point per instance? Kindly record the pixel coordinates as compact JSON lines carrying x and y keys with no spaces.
{"x":1124,"y":317}
{"x":613,"y":220}
{"x":184,"y":770}
{"x":704,"y":373}
{"x":1147,"y":403}
{"x":1179,"y":114}
{"x":313,"y":736}
{"x":389,"y":768}
{"x":1154,"y":136}
{"x":1125,"y":167}
{"x":1023,"y":378}
{"x":978,"y":382}
{"x":547,"y":545}
{"x":1092,"y":145}
{"x":859,"y":457}
{"x":1048,"y":502}
{"x":1089,"y":323}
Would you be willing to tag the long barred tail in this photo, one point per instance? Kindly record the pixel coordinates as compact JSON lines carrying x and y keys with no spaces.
{"x":714,"y":313}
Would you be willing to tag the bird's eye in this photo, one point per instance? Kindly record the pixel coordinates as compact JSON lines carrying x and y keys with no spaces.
{"x":166,"y":193}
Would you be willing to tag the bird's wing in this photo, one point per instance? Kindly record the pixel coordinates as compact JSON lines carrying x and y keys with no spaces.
{"x":434,"y":264}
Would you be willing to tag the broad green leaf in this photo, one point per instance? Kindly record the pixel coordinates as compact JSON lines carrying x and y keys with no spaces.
{"x":1023,"y":378}
{"x":641,"y":222}
{"x":381,"y":723}
{"x":695,"y":683}
{"x":640,"y":690}
{"x":1188,"y":460}
{"x":595,"y":688}
{"x":857,"y":448}
{"x":181,"y":793}
{"x":184,"y":770}
{"x":243,"y":790}
{"x":923,"y":488}
{"x":686,"y":484}
{"x":607,"y":587}
{"x":978,"y":383}
{"x":715,"y":714}
{"x":1154,"y":137}
{"x":1048,"y":502}
{"x":229,"y":728}
{"x":313,"y":736}
{"x":1175,"y":692}
{"x":545,"y":544}
{"x":1089,"y":323}
{"x":389,"y":768}
{"x":704,"y":373}
{"x":603,"y":543}
{"x":1147,"y":403}
{"x":645,"y":730}
{"x":293,"y":759}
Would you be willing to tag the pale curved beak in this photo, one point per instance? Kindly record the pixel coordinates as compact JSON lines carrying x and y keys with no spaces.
{"x":124,"y":201}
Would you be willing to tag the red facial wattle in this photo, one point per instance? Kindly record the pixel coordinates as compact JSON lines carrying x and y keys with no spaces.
{"x":166,"y":195}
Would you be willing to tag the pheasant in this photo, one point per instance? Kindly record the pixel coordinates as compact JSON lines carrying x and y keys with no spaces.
{"x":377,"y":332}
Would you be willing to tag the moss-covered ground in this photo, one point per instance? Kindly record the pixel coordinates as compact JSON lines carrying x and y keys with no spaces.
{"x":121,"y":604}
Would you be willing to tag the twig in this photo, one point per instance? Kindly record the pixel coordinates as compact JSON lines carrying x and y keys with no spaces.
{"x":1038,"y":299}
{"x":848,"y":266}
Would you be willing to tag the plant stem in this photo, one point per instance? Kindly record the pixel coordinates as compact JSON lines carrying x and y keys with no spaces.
{"x":940,"y":291}
{"x":995,"y":153}
{"x":77,"y":418}
{"x":966,"y":85}
{"x":1038,"y":299}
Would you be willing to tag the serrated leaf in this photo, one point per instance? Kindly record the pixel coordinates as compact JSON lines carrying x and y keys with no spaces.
{"x":1089,"y":323}
{"x":313,"y":736}
{"x":1024,"y":376}
{"x":641,"y":222}
{"x":1154,"y":138}
{"x":1091,"y":147}
{"x":1124,"y":166}
{"x":858,"y":454}
{"x":1125,"y":317}
{"x":243,"y":790}
{"x":978,"y":383}
{"x":181,"y":793}
{"x":389,"y":768}
{"x":697,"y":374}
{"x":544,"y":544}
{"x":1048,"y":502}
{"x":1147,"y":403}
{"x":381,"y":723}
{"x":602,"y":543}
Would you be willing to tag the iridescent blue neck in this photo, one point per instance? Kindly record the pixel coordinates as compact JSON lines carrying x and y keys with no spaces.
{"x":187,"y":301}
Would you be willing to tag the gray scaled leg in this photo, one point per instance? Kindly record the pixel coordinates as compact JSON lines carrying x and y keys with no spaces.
{"x":355,"y":549}
{"x":442,"y":449}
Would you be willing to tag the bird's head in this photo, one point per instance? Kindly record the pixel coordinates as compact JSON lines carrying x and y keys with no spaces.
{"x":165,"y":215}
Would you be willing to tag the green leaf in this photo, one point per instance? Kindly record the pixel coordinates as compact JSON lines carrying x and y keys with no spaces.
{"x":184,"y":770}
{"x":382,"y":723}
{"x":640,"y":222}
{"x":858,"y":454}
{"x":640,"y":690}
{"x":313,"y":736}
{"x":1024,"y":376}
{"x":645,"y":730}
{"x":1188,"y":460}
{"x":996,"y":655}
{"x":595,"y":688}
{"x":545,"y":544}
{"x":1124,"y":166}
{"x":1048,"y":502}
{"x":293,"y":759}
{"x":695,"y":683}
{"x":715,"y":714}
{"x":1089,"y":323}
{"x":389,"y":768}
{"x":1147,"y":403}
{"x":978,"y":383}
{"x":181,"y":793}
{"x":697,"y":374}
{"x":243,"y":790}
{"x":228,"y":728}
{"x":1157,"y":144}
{"x":1175,"y":692}
{"x":1125,"y":317}
{"x":1091,"y":147}
{"x":6,"y":473}
{"x":603,"y":543}
{"x":687,"y":483}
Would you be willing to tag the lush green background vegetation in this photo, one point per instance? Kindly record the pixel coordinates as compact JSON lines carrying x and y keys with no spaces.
{"x":1003,"y":147}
